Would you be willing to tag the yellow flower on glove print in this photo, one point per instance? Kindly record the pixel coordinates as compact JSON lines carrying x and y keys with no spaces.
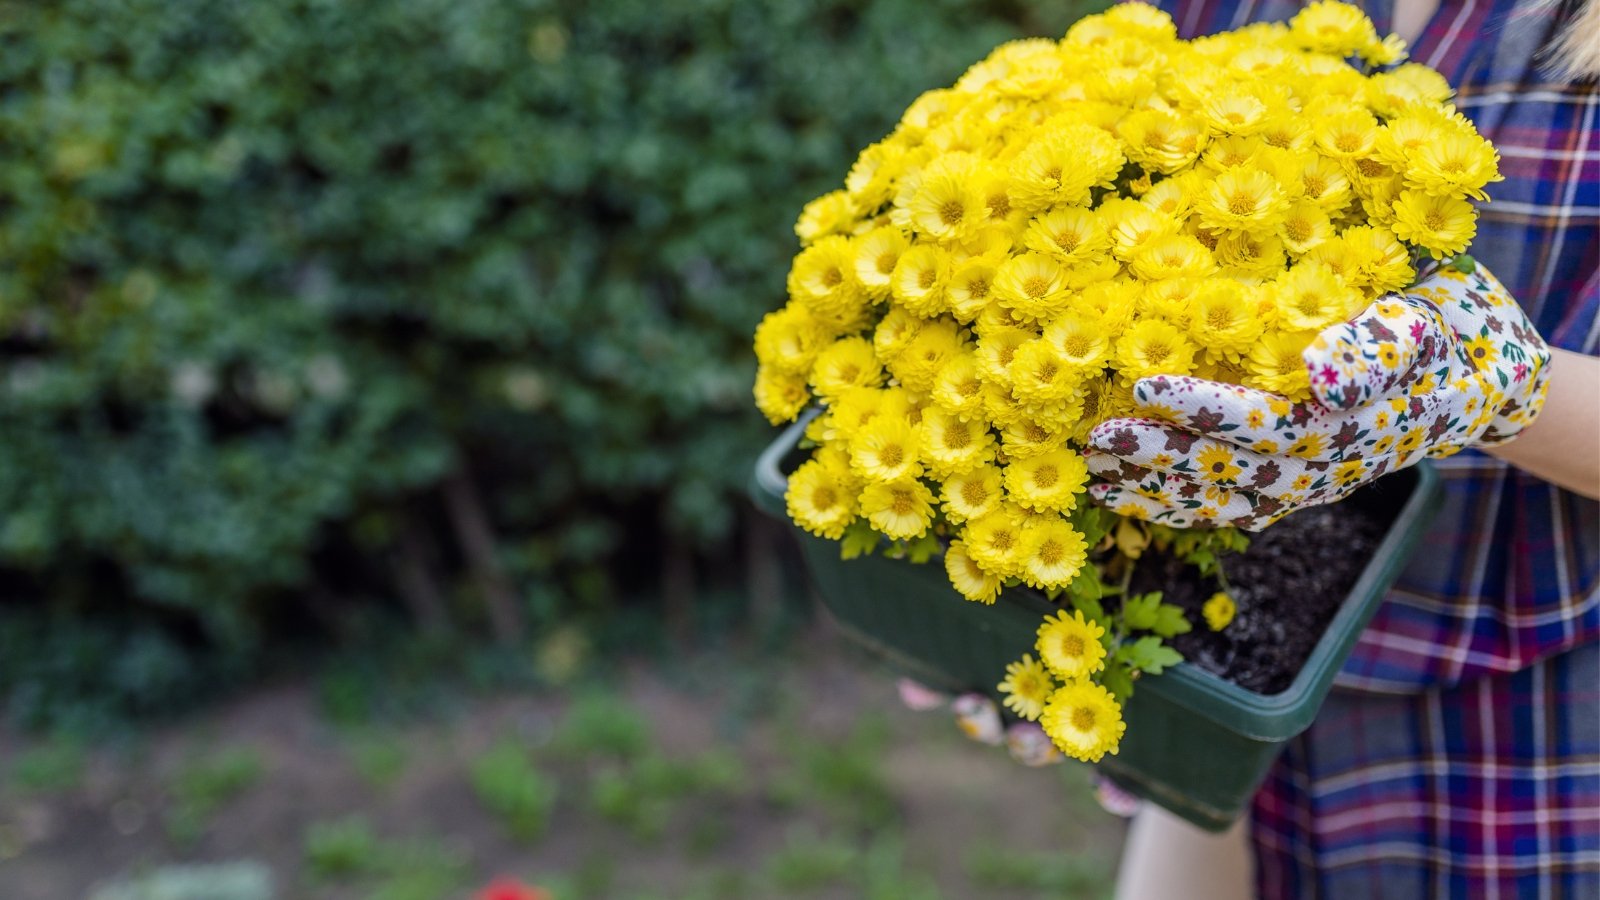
{"x":1216,"y":464}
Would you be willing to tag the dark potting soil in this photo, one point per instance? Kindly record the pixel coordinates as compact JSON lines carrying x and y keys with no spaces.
{"x":1288,"y":585}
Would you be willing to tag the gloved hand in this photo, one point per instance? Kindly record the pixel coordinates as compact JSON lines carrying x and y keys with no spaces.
{"x":1452,"y":362}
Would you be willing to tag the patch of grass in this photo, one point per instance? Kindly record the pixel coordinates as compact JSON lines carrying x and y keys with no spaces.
{"x":602,"y":724}
{"x":416,"y":869}
{"x":342,"y":849}
{"x":50,"y":768}
{"x":642,"y":796}
{"x":206,"y":785}
{"x":1050,"y":873}
{"x":379,"y":760}
{"x":885,"y":876}
{"x":846,"y":777}
{"x":809,"y":861}
{"x":507,"y":784}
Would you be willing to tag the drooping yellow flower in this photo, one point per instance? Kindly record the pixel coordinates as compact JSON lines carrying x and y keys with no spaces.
{"x":1153,"y":347}
{"x":821,"y":498}
{"x":958,"y":388}
{"x":1048,"y":482}
{"x":1084,"y":721}
{"x":894,"y":332}
{"x":1027,"y":687}
{"x":1053,"y":552}
{"x":1218,"y":611}
{"x":1071,"y":645}
{"x":969,"y":579}
{"x":887,"y":448}
{"x":972,"y":494}
{"x":899,"y":509}
{"x":1161,"y":140}
{"x":1442,"y":225}
{"x":926,"y":354}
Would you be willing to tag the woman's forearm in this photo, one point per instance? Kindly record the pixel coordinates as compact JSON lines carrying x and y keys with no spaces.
{"x":1562,"y":445}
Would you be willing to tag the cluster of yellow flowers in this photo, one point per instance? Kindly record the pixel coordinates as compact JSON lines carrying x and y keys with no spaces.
{"x":1072,"y":216}
{"x":1081,"y":717}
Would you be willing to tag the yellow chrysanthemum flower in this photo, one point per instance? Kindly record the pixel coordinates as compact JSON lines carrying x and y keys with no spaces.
{"x":1275,"y":364}
{"x":832,"y":213}
{"x":1218,"y":611}
{"x":1071,"y":645}
{"x":1173,"y":256}
{"x":823,"y":280}
{"x":926,"y":355}
{"x":1160,"y":140}
{"x":1027,"y":687}
{"x":899,"y":509}
{"x":1031,"y":285}
{"x":1080,"y":340}
{"x":952,"y":443}
{"x":1335,"y":28}
{"x":780,"y":395}
{"x":1048,"y":482}
{"x":919,"y":278}
{"x":846,"y":363}
{"x":1310,"y":297}
{"x":1053,"y":552}
{"x":1153,"y":347}
{"x":1224,"y":319}
{"x":887,"y":448}
{"x":947,"y":204}
{"x":1443,"y":226}
{"x":1060,"y":165}
{"x":1246,"y":199}
{"x":972,"y":494}
{"x":821,"y":498}
{"x":1039,"y":374}
{"x":969,"y":579}
{"x":971,"y":287}
{"x":1084,"y":721}
{"x":1074,"y":235}
{"x":789,"y":339}
{"x":958,"y":388}
{"x":877,"y":253}
{"x":1455,"y":163}
{"x":994,"y":540}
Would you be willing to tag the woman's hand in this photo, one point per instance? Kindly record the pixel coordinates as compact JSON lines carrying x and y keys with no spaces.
{"x":1451,"y":363}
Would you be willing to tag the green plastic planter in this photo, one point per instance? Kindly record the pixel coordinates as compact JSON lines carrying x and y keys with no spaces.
{"x":1195,"y":744}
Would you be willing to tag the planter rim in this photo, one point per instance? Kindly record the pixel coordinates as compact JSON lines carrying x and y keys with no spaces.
{"x":1264,"y":717}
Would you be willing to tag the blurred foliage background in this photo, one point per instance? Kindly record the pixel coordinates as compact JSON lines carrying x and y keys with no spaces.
{"x":323,"y":320}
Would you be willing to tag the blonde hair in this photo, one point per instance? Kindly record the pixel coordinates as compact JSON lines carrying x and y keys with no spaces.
{"x":1574,"y":53}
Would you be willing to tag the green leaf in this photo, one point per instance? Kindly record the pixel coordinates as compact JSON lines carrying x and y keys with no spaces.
{"x":924,"y":548}
{"x":859,"y":540}
{"x":1086,"y":591}
{"x":1149,"y":654}
{"x":1141,"y":612}
{"x":1171,"y":621}
{"x":1118,"y":679}
{"x":1092,"y":521}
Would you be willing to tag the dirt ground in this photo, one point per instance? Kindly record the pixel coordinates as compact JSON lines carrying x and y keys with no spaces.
{"x":802,"y":777}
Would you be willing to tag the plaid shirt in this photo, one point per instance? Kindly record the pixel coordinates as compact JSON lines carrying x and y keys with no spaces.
{"x":1463,"y":758}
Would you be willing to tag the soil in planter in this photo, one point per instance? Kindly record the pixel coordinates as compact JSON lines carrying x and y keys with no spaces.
{"x":1288,"y":585}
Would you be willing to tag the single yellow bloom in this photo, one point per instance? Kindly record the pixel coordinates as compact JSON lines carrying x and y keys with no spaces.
{"x":1218,"y":611}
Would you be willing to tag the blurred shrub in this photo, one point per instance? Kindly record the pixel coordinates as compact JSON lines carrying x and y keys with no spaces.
{"x":274,"y":272}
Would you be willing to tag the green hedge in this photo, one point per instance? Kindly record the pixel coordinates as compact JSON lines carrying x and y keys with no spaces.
{"x":272,"y":271}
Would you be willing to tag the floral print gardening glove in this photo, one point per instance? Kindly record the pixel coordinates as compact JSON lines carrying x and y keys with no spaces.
{"x":1450,"y":363}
